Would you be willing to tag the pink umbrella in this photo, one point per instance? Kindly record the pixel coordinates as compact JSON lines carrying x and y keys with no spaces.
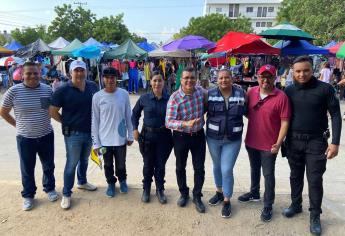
{"x":335,"y":48}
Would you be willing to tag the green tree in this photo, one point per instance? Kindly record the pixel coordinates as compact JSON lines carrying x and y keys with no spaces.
{"x":3,"y":40}
{"x":30,"y":34}
{"x":214,"y":26}
{"x":71,"y":23}
{"x":111,"y":29}
{"x":323,"y":19}
{"x":136,"y":38}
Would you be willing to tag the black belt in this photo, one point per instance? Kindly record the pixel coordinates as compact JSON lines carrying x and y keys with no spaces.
{"x":191,"y":134}
{"x":304,"y":136}
{"x":151,"y":129}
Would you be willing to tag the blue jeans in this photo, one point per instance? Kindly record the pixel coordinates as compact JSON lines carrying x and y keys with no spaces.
{"x":133,"y":80}
{"x":224,"y":155}
{"x":28,"y":148}
{"x":78,"y":148}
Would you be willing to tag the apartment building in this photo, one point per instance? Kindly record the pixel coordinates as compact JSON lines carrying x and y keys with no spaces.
{"x":262,"y":13}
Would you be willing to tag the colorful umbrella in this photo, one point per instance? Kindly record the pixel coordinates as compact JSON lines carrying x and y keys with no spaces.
{"x":336,"y":48}
{"x":189,"y":42}
{"x":286,"y":31}
{"x":341,"y":52}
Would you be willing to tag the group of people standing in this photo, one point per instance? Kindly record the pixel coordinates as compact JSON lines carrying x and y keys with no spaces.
{"x":295,"y":121}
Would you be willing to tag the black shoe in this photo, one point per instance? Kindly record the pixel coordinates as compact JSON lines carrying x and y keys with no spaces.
{"x":249,"y":197}
{"x":291,"y":211}
{"x":199,"y":205}
{"x":216,"y":199}
{"x":315,"y":224}
{"x":146,"y":196}
{"x":266,"y":214}
{"x":182,"y":201}
{"x":226,"y":210}
{"x":161,"y":196}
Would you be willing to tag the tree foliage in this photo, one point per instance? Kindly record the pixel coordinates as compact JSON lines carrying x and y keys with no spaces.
{"x":29,"y":34}
{"x":323,"y":19}
{"x":3,"y":40}
{"x":214,"y":26}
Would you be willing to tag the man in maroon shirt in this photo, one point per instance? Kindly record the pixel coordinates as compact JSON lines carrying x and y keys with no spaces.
{"x":268,"y":120}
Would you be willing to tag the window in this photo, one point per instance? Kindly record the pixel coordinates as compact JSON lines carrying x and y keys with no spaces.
{"x":219,"y":9}
{"x":250,"y":9}
{"x":263,"y":24}
{"x":269,"y":24}
{"x":257,"y":24}
{"x":234,"y":10}
{"x":262,"y":12}
{"x":271,"y":9}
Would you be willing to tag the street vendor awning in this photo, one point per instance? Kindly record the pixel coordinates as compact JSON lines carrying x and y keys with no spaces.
{"x":68,"y":50}
{"x":300,"y":47}
{"x":242,"y":43}
{"x":5,"y":51}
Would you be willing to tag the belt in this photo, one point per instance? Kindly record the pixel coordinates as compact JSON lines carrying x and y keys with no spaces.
{"x":151,"y":129}
{"x":192,"y":134}
{"x":304,"y":136}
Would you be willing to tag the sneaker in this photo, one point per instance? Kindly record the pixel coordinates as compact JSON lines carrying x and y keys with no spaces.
{"x":226,"y":210}
{"x":28,"y":204}
{"x":52,"y":196}
{"x":123,"y":187}
{"x":65,"y":202}
{"x":249,"y":197}
{"x":266,"y":214}
{"x":216,"y":199}
{"x":87,"y":186}
{"x":110,"y":191}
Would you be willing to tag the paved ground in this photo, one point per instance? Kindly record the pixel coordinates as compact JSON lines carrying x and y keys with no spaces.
{"x":334,"y":203}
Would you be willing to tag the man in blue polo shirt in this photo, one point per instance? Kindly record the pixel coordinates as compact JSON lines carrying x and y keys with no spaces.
{"x":75,"y":99}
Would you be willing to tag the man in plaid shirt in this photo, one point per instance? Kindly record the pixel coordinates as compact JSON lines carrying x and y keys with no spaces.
{"x":185,"y":116}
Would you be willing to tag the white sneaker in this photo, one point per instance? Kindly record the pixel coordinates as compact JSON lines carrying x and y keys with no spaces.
{"x":28,"y":204}
{"x":65,"y":202}
{"x":87,"y":186}
{"x":52,"y":196}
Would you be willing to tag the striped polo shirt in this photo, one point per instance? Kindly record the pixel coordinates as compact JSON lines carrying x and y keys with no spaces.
{"x":30,"y":107}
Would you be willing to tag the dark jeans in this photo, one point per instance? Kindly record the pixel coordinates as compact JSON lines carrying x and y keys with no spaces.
{"x":183,"y":143}
{"x":155,"y":148}
{"x":119,"y":154}
{"x":28,"y":148}
{"x":266,"y":160}
{"x":309,"y":155}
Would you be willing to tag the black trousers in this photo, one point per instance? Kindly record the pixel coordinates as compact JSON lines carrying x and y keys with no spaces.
{"x":183,"y":143}
{"x":266,"y":160}
{"x":307,"y":155}
{"x":155,"y":147}
{"x":119,"y":154}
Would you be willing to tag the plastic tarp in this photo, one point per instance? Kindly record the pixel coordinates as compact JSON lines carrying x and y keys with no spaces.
{"x":127,"y":50}
{"x":31,"y":50}
{"x":146,"y":46}
{"x":68,"y":50}
{"x":59,"y":43}
{"x":245,"y":44}
{"x":177,"y":54}
{"x":87,"y":52}
{"x":93,"y":42}
{"x":14,"y":45}
{"x":300,"y":47}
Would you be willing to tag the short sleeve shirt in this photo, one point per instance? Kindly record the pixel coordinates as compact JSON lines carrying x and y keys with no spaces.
{"x":264,"y":118}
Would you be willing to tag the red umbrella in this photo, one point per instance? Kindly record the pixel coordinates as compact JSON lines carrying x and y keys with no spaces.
{"x":335,"y":48}
{"x":242,"y":43}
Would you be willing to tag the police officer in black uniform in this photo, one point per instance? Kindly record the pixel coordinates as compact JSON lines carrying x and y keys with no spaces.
{"x":155,"y":141}
{"x":306,"y":143}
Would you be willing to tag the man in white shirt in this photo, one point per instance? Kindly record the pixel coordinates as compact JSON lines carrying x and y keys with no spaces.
{"x":112,"y":129}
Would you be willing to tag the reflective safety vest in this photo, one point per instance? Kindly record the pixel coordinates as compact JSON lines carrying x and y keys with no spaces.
{"x":223,"y":122}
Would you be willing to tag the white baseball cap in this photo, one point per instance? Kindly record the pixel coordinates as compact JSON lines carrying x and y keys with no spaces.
{"x":77,"y":64}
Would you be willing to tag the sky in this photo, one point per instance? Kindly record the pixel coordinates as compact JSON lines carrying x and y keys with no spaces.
{"x":156,"y":20}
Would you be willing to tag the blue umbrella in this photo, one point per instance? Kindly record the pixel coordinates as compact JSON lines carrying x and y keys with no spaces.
{"x":13,"y":46}
{"x":87,"y":52}
{"x":146,"y":46}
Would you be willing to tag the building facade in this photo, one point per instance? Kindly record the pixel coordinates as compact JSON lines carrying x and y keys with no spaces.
{"x":262,"y":13}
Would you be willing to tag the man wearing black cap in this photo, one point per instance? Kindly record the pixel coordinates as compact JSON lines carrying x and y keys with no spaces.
{"x":112,"y":129}
{"x":307,"y":146}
